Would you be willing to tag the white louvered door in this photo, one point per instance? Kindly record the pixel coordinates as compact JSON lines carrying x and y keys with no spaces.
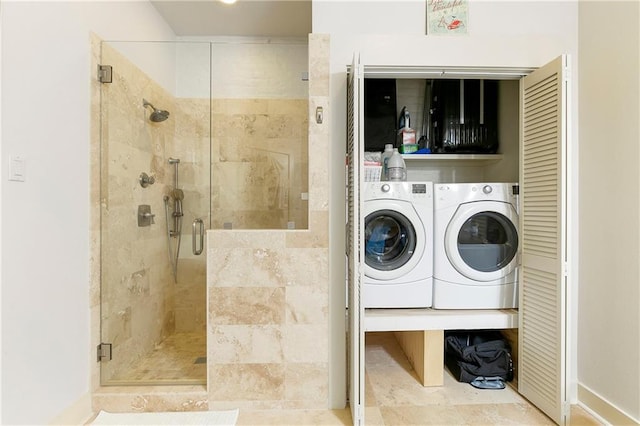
{"x":355,"y":241}
{"x":543,"y":278}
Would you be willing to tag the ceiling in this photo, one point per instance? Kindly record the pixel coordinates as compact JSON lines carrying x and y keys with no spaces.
{"x":261,"y":18}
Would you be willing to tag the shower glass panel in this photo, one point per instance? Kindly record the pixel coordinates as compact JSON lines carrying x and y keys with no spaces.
{"x":194,"y":136}
{"x":260,"y":135}
{"x":156,"y":120}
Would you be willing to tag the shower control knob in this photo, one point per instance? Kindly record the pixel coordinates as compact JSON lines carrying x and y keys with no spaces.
{"x":146,"y":180}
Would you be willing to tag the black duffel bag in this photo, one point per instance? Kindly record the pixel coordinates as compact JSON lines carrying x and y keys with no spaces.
{"x":478,"y":354}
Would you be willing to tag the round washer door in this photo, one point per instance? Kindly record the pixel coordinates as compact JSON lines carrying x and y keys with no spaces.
{"x":481,"y":240}
{"x":394,"y":239}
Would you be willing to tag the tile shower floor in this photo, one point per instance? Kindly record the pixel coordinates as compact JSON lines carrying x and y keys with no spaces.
{"x":179,"y":359}
{"x":395,"y":397}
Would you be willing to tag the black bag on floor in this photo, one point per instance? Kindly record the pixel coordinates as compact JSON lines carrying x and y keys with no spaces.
{"x":469,"y":355}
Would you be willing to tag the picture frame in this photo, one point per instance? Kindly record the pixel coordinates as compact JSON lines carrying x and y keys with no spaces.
{"x":447,"y":17}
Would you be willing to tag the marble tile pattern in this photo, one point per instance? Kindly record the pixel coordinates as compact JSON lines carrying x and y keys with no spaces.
{"x":137,"y":291}
{"x":190,"y":143}
{"x":124,"y":399}
{"x":175,"y":360}
{"x":257,"y":162}
{"x":260,"y":163}
{"x":395,"y":397}
{"x":268,"y":290}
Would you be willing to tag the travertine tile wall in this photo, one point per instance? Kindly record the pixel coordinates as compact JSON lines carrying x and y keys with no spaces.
{"x":268,"y":292}
{"x":255,"y":139}
{"x":191,"y":144}
{"x":137,"y":291}
{"x":260,"y":163}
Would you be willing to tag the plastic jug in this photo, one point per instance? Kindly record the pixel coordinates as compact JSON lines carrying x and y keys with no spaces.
{"x":388,"y":151}
{"x":397,"y":170}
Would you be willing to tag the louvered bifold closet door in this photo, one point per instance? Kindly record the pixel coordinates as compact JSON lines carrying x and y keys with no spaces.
{"x":541,"y":369}
{"x":355,"y":243}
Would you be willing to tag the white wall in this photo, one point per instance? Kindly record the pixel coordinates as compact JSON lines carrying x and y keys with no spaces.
{"x":46,"y":352}
{"x":242,"y":68}
{"x":609,"y":318}
{"x":500,"y":34}
{"x":259,"y":70}
{"x":157,"y":60}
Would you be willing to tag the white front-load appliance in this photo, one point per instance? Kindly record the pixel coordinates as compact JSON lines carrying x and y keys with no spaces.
{"x":475,"y":246}
{"x":398,"y":247}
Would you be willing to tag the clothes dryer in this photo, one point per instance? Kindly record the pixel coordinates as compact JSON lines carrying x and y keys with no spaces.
{"x":398,"y":248}
{"x":475,"y":246}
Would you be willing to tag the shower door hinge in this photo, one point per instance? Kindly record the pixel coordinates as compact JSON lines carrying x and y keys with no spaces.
{"x":105,"y":73}
{"x":104,"y":352}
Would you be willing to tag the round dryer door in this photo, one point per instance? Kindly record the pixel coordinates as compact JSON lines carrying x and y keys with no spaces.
{"x":394,"y":240}
{"x":481,"y":240}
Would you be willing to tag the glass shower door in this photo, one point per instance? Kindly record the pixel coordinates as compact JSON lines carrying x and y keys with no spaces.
{"x":155,"y":182}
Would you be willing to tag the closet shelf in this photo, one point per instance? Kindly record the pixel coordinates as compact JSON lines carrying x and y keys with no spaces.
{"x":439,"y":319}
{"x":453,"y":157}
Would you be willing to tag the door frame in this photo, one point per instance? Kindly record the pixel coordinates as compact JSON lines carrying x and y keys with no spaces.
{"x":510,"y":73}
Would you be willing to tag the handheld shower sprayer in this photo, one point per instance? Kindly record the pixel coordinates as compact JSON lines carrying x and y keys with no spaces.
{"x":177,"y":196}
{"x":174,"y":217}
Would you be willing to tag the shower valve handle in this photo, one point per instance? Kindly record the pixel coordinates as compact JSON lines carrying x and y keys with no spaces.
{"x":149,"y":216}
{"x":145,"y":217}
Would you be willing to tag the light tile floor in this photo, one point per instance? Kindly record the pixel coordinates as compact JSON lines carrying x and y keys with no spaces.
{"x":395,"y":397}
{"x":172,"y":361}
{"x":393,"y":394}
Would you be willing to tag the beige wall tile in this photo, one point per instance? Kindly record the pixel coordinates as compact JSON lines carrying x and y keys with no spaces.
{"x":294,"y":262}
{"x":246,"y":305}
{"x":263,"y":239}
{"x":306,"y":382}
{"x":166,"y":398}
{"x":244,"y":267}
{"x":316,"y":236}
{"x":248,"y":382}
{"x":319,"y":65}
{"x":260,"y":154}
{"x":306,"y":305}
{"x":249,"y":271}
{"x":246,"y":344}
{"x":306,"y":343}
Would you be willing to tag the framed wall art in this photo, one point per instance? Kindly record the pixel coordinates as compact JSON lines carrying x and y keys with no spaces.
{"x":447,"y":16}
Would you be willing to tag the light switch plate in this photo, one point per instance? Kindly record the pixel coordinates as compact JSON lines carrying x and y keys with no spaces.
{"x":17,"y":168}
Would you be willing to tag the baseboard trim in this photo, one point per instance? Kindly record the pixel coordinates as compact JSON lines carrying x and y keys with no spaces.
{"x":603,"y":408}
{"x":77,"y":413}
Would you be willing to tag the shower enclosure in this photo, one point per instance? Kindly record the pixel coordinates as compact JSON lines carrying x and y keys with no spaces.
{"x":194,"y":136}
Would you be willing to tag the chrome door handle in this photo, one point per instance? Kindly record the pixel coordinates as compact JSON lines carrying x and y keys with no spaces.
{"x":194,"y":245}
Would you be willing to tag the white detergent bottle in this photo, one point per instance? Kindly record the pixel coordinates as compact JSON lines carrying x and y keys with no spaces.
{"x":386,"y":154}
{"x":396,"y":167}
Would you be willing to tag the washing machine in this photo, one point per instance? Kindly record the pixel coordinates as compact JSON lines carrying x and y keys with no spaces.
{"x":398,"y":247}
{"x":475,"y":246}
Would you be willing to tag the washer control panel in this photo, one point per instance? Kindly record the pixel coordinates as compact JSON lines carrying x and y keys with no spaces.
{"x":419,"y":188}
{"x":406,"y":191}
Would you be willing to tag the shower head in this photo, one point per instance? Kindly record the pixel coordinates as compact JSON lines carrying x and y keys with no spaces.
{"x":157,"y":115}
